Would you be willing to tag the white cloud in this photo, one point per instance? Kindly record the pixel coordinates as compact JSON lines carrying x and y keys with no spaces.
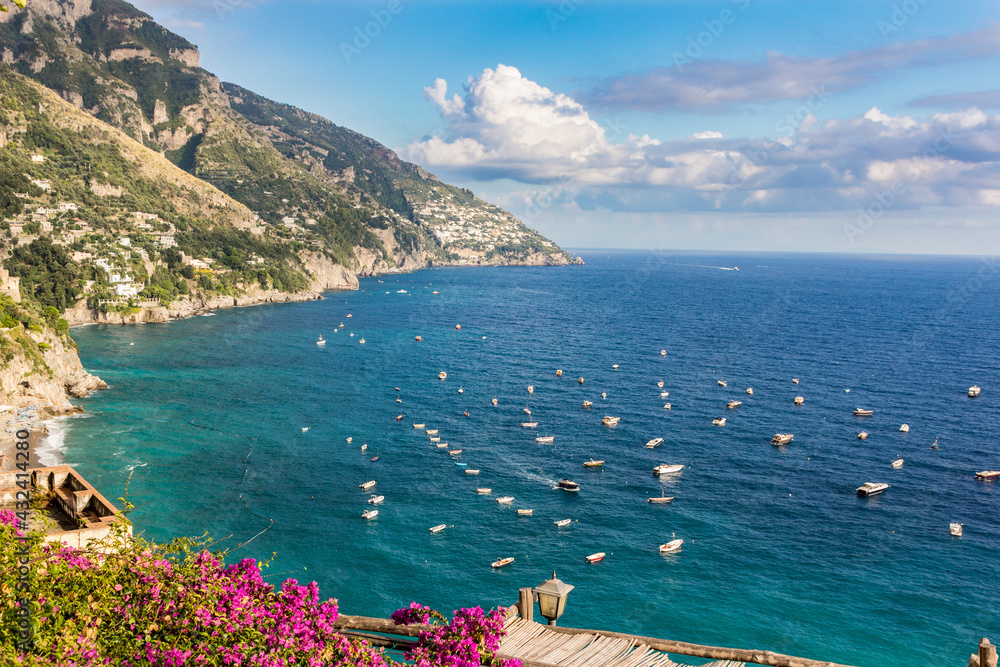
{"x":507,"y":126}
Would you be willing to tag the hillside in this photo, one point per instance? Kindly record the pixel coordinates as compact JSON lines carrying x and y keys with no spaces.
{"x":313,"y":183}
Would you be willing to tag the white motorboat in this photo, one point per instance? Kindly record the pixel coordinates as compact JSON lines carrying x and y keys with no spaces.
{"x":596,"y":558}
{"x":432,"y":431}
{"x":955,"y":529}
{"x":525,"y":512}
{"x":484,"y":491}
{"x":660,"y":384}
{"x":505,"y":500}
{"x":587,"y":404}
{"x":362,"y":341}
{"x":604,"y":395}
{"x":722,"y":383}
{"x":795,"y":380}
{"x":568,"y":485}
{"x":858,"y":412}
{"x":905,"y":428}
{"x":667,"y":406}
{"x":531,"y":389}
{"x":663,"y":353}
{"x":454,"y":452}
{"x":799,"y":400}
{"x":988,"y":474}
{"x":664,"y":394}
{"x":782,"y":438}
{"x":545,"y":439}
{"x":667,"y":469}
{"x":750,"y":391}
{"x":364,"y":446}
{"x":502,"y":562}
{"x":442,"y":375}
{"x":593,"y":464}
{"x":527,"y":411}
{"x":719,"y":421}
{"x":441,"y":445}
{"x":610,"y":421}
{"x":461,"y":391}
{"x":563,"y":522}
{"x":419,"y":426}
{"x":399,"y":400}
{"x":732,"y":405}
{"x":614,"y":367}
{"x":974,"y":391}
{"x":655,"y":442}
{"x":872,"y":488}
{"x":529,"y":424}
{"x":898,"y":463}
{"x":559,"y":373}
{"x":376,"y":500}
{"x":863,"y":435}
{"x":580,"y":380}
{"x":435,"y":439}
{"x":438,"y":528}
{"x":305,"y":429}
{"x":472,"y":471}
{"x":672,"y":546}
{"x":321,"y":341}
{"x":494,"y":401}
{"x":367,"y":485}
{"x":369,"y":514}
{"x":349,"y":439}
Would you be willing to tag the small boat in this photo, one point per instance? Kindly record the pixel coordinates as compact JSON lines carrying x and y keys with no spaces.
{"x":614,"y":367}
{"x":352,"y":335}
{"x":367,"y":485}
{"x":593,"y":464}
{"x":466,"y":413}
{"x":568,"y":485}
{"x":858,"y":412}
{"x":750,"y":391}
{"x":435,"y":439}
{"x":660,"y":384}
{"x":935,"y":445}
{"x":905,"y":428}
{"x":399,"y":400}
{"x":719,"y":421}
{"x":435,"y":292}
{"x":349,"y":315}
{"x":799,"y":400}
{"x":863,"y":435}
{"x":664,"y":394}
{"x":898,"y":463}
{"x":454,"y":452}
{"x":734,"y":404}
{"x":545,"y":439}
{"x":563,"y":522}
{"x":341,"y":326}
{"x":461,"y":465}
{"x":432,"y":431}
{"x":438,"y":528}
{"x":587,"y":404}
{"x":529,"y":424}
{"x":494,"y":401}
{"x":604,"y":394}
{"x":872,"y":488}
{"x":364,"y":446}
{"x":610,"y":421}
{"x":795,"y":380}
{"x":559,"y":373}
{"x":442,"y":375}
{"x":655,"y":442}
{"x":955,"y":529}
{"x":525,"y":512}
{"x":672,"y":546}
{"x":988,"y":474}
{"x":531,"y":389}
{"x":596,"y":558}
{"x":321,"y":341}
{"x":376,"y":500}
{"x":484,"y":491}
{"x":722,"y":383}
{"x":505,"y":500}
{"x":580,"y":380}
{"x":502,"y":562}
{"x":974,"y":391}
{"x":305,"y":428}
{"x":527,"y":411}
{"x":369,"y":514}
{"x":472,"y":471}
{"x":663,"y":499}
{"x":663,"y":353}
{"x":461,"y":390}
{"x":667,"y":406}
{"x":375,"y":458}
{"x":441,"y":445}
{"x":349,"y":439}
{"x":399,"y":418}
{"x":667,"y":469}
{"x":419,"y":338}
{"x":362,"y":341}
{"x":458,"y":327}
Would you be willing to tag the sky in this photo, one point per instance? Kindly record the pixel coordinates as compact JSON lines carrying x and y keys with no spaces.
{"x":851,"y":126}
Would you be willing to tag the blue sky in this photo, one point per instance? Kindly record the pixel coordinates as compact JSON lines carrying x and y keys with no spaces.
{"x":732,"y":125}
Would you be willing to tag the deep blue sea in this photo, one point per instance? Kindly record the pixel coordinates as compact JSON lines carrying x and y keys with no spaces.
{"x":779,"y":551}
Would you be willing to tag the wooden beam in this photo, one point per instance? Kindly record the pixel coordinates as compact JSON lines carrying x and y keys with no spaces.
{"x":382,"y":625}
{"x":526,"y":604}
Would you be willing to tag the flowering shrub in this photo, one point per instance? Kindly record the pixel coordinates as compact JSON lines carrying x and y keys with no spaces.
{"x":471,"y":639}
{"x":131,"y":602}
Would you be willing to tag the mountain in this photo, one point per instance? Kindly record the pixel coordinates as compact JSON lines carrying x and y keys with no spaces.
{"x":309,"y":181}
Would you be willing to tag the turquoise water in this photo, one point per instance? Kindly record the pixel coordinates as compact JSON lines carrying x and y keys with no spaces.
{"x":779,"y":552}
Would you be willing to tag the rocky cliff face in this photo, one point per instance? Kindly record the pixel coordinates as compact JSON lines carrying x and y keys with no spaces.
{"x":35,"y":375}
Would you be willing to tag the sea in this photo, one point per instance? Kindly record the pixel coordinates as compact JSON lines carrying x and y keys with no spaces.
{"x":204,"y":427}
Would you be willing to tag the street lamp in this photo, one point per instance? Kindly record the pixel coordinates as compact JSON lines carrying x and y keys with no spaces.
{"x":552,"y":598}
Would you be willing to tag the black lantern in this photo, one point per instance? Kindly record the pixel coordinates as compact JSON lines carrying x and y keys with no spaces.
{"x":552,"y":598}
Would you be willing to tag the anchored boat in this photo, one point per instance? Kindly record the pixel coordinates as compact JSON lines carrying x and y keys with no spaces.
{"x":872,"y":488}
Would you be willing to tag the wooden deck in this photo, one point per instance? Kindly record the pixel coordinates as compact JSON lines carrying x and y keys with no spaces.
{"x":535,"y":645}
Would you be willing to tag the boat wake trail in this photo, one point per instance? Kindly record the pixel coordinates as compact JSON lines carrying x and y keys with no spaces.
{"x":702,"y":266}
